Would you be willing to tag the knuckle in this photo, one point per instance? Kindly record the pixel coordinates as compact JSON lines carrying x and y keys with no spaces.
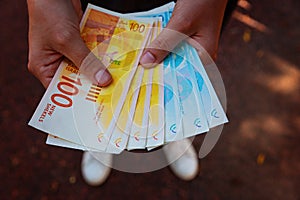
{"x":30,"y":66}
{"x":185,"y":23}
{"x":89,"y":65}
{"x":163,"y":44}
{"x":212,"y":51}
{"x":33,"y":67}
{"x":63,"y":37}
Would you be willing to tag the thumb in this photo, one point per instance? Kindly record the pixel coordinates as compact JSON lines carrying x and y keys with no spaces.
{"x":74,"y":48}
{"x":177,"y":30}
{"x":164,"y":43}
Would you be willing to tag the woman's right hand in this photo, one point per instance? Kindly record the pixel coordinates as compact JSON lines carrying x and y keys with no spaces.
{"x":54,"y":34}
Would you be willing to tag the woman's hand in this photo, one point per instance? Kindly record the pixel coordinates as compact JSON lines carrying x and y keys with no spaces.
{"x":54,"y":34}
{"x":199,"y":20}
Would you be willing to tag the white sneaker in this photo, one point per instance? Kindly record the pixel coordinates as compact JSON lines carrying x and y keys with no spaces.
{"x":183,"y":159}
{"x":94,"y":167}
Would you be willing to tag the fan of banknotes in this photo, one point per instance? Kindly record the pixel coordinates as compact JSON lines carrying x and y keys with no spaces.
{"x":142,"y":108}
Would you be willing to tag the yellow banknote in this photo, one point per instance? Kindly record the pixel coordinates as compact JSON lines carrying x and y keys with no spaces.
{"x":76,"y":110}
{"x":138,"y":131}
{"x":149,"y":99}
{"x":155,"y":133}
{"x":121,"y":131}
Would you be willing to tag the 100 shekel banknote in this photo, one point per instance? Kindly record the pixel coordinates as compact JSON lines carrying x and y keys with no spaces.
{"x":172,"y":118}
{"x":147,"y":126}
{"x":78,"y":111}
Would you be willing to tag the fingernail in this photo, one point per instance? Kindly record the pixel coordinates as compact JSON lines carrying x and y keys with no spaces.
{"x":147,"y":60}
{"x":103,"y":78}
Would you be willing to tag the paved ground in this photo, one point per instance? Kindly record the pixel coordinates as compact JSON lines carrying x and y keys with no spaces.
{"x":257,"y":156}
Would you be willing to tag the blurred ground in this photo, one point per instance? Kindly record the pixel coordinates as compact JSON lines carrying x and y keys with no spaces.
{"x":257,"y":156}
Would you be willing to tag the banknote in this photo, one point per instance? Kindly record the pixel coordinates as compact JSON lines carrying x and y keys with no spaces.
{"x":155,"y":132}
{"x":172,"y":127}
{"x":121,"y":132}
{"x":149,"y":131}
{"x":56,"y":141}
{"x":154,"y":109}
{"x":215,"y":113}
{"x":76,"y":110}
{"x":193,"y":117}
{"x":138,"y":132}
